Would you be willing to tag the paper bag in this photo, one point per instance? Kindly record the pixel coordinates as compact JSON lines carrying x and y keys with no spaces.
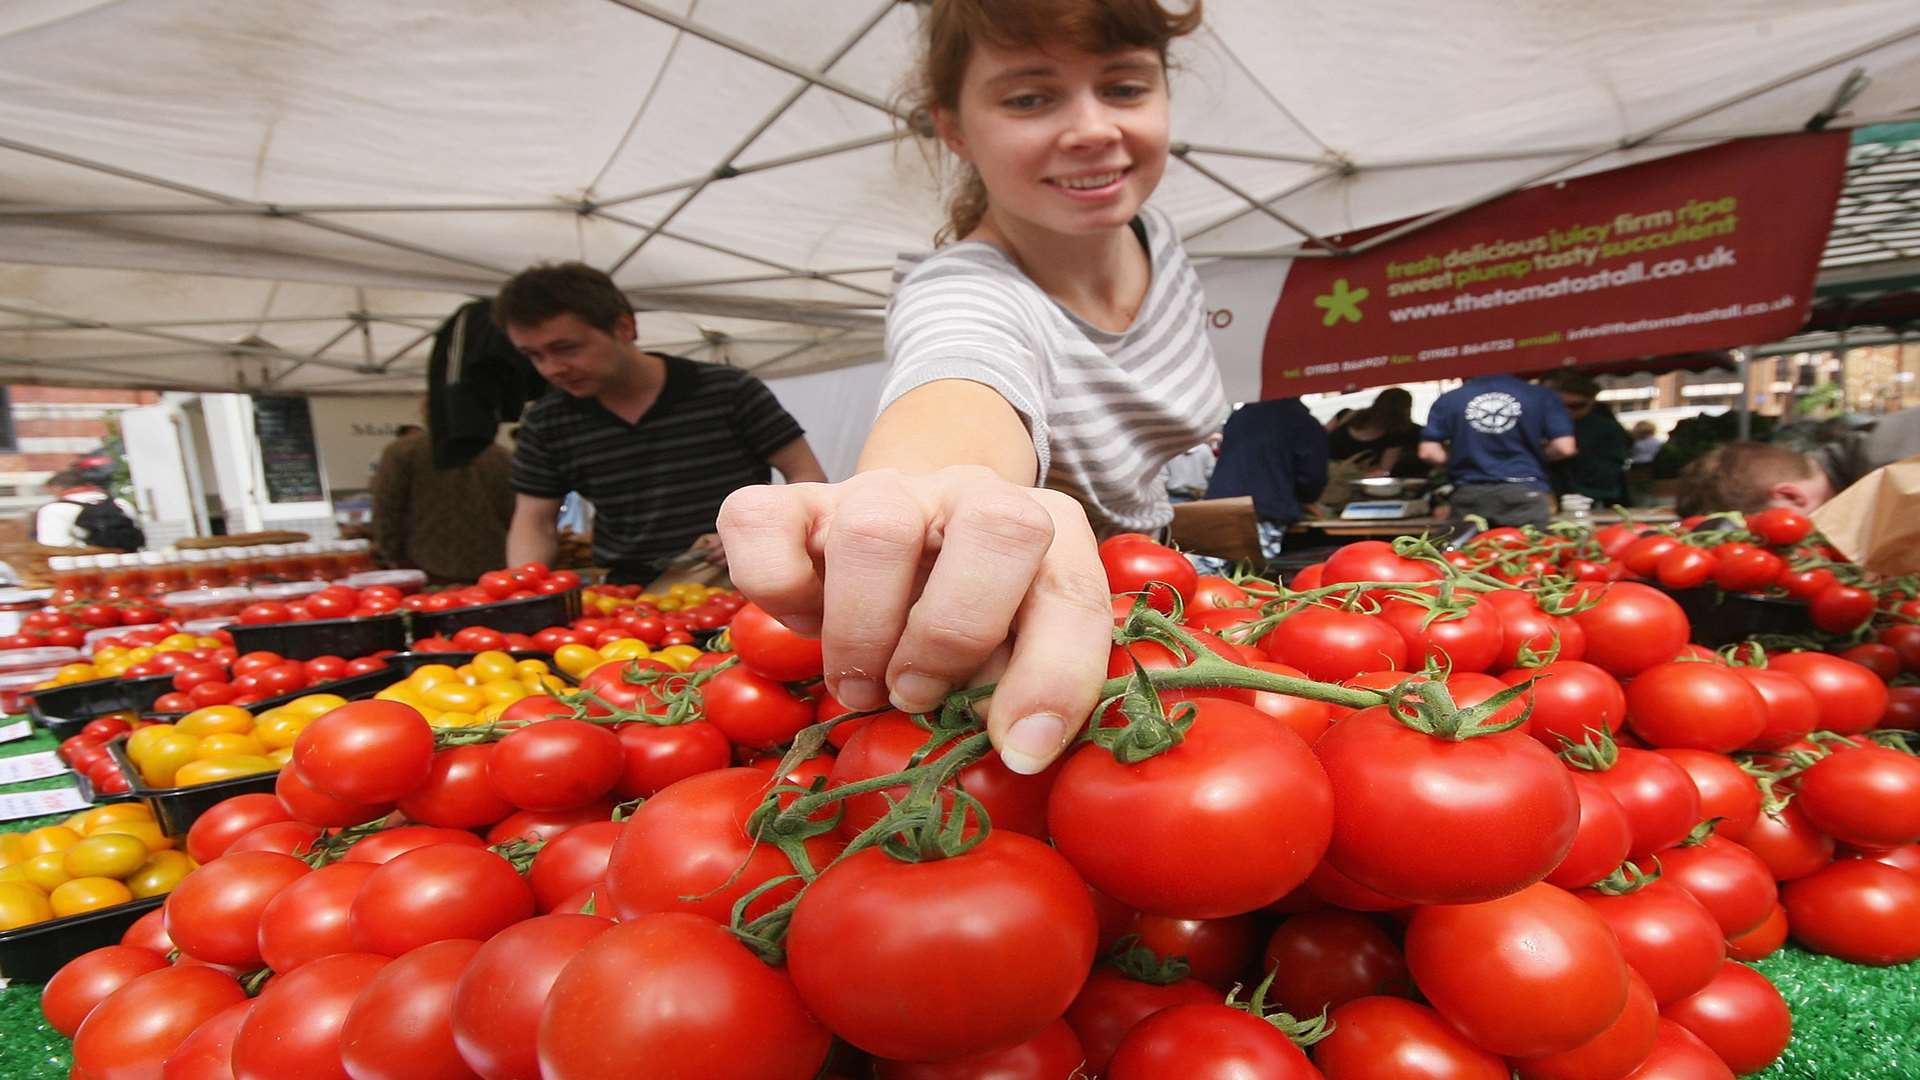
{"x":1876,"y":522}
{"x":1223,"y":528}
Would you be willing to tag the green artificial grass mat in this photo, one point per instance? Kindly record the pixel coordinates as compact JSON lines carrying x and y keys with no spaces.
{"x":1849,"y":1022}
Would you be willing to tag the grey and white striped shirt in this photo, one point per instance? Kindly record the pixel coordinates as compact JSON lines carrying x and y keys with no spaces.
{"x":1106,"y":410}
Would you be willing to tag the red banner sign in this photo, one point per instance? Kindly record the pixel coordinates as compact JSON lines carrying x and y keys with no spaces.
{"x":1710,"y":249}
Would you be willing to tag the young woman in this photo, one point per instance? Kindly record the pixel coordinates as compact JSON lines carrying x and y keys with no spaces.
{"x":1045,"y":365}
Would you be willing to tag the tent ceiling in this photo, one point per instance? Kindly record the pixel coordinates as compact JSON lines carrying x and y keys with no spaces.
{"x":289,"y":193}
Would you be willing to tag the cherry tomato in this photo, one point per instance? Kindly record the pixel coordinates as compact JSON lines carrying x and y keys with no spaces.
{"x":656,"y":755}
{"x":572,"y":861}
{"x":1377,"y":1036}
{"x":1762,"y":941}
{"x":768,"y":647}
{"x":309,"y":918}
{"x":1056,"y":1051}
{"x":1632,"y":628}
{"x":456,"y":793}
{"x":1731,"y":882}
{"x":555,"y":764}
{"x":1617,"y":1051}
{"x":1333,"y":646}
{"x":207,"y":1054}
{"x":1696,"y":706}
{"x":1726,"y":791}
{"x":1867,"y":796}
{"x":1850,"y":698}
{"x":1780,"y":526}
{"x":293,"y":1030}
{"x":1661,"y":802}
{"x":130,"y":1033}
{"x":214,"y":913}
{"x":1324,"y":959}
{"x":1669,"y":937}
{"x":1863,"y":912}
{"x":1739,"y":1015}
{"x":1605,"y":836}
{"x":1110,"y":1004}
{"x":401,"y":1025}
{"x":230,"y":819}
{"x":365,"y":752}
{"x":1136,"y":565}
{"x":1685,"y":567}
{"x":1207,"y":1042}
{"x":1840,"y":609}
{"x":387,"y":844}
{"x":87,"y":980}
{"x":437,"y":893}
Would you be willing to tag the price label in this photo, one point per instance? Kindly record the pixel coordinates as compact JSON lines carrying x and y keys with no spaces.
{"x":26,"y":804}
{"x":14,"y":770}
{"x":19,"y":729}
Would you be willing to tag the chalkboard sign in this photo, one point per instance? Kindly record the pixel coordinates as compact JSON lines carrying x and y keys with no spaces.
{"x":288,"y":455}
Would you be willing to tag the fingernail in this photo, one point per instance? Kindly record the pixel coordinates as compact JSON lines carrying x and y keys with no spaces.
{"x":917,"y":693}
{"x":1032,"y":742}
{"x":860,"y":695}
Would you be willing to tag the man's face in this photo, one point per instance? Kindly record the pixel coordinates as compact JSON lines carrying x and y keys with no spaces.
{"x":579,"y":359}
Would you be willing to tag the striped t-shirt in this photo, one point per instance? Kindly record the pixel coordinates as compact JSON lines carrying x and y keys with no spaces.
{"x":657,"y":484}
{"x":1105,"y":410}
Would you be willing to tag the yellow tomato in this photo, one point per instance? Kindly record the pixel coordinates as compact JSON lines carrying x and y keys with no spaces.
{"x":227,"y":745}
{"x":16,"y":872}
{"x":142,"y":738}
{"x":283,"y":755}
{"x":680,"y":656}
{"x":207,"y":643}
{"x":159,"y":874}
{"x":278,"y":732}
{"x":47,"y":870}
{"x":453,"y":697}
{"x":577,"y":660}
{"x":503,"y":691}
{"x":138,"y":655}
{"x":180,"y":641}
{"x":313,"y":706}
{"x":109,"y":652}
{"x":112,"y":669}
{"x":87,"y":894}
{"x":50,"y":838}
{"x":165,"y":756}
{"x":146,"y":832}
{"x":670,"y":603}
{"x":92,"y":820}
{"x":113,"y":855}
{"x":404,"y":693}
{"x":523,"y":668}
{"x":216,"y":720}
{"x":432,"y":675}
{"x":688,"y":588}
{"x":490,"y":714}
{"x":13,"y":849}
{"x":75,"y":671}
{"x":454,"y":719}
{"x":22,"y":905}
{"x":494,"y":664}
{"x":625,"y":648}
{"x":551,"y":684}
{"x":224,"y":768}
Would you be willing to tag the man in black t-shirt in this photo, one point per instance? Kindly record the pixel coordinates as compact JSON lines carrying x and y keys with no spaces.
{"x":655,"y":442}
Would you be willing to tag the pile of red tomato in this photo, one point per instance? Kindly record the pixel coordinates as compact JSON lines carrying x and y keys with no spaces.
{"x":1567,"y":871}
{"x":69,"y":626}
{"x":222,"y":678}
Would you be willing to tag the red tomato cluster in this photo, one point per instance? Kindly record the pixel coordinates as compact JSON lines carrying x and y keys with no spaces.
{"x":1402,"y":879}
{"x":642,"y":621}
{"x":222,"y":677}
{"x":332,"y":602}
{"x":524,"y":582}
{"x":86,"y":753}
{"x":68,"y":626}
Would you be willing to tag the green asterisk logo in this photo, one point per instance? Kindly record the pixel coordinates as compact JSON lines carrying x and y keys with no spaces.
{"x":1342,"y":303}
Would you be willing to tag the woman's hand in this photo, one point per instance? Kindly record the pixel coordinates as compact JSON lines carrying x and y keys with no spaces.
{"x":914,"y":582}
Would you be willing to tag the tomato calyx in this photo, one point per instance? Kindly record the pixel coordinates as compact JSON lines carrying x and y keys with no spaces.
{"x":519,"y":852}
{"x":1529,"y":658}
{"x":255,"y":981}
{"x":1141,"y":964}
{"x":332,"y":846}
{"x":1629,"y":878}
{"x":1595,"y":753}
{"x":1700,"y":833}
{"x":1303,"y":1033}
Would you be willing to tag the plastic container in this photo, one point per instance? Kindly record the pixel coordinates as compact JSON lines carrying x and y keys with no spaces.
{"x":64,"y":710}
{"x":16,"y":689}
{"x":177,"y":808}
{"x":85,"y":787}
{"x":324,"y":637}
{"x":205,"y":627}
{"x":17,"y":604}
{"x":407,"y":581}
{"x":507,"y":616}
{"x":47,"y":658}
{"x":33,"y":953}
{"x":287,"y":591}
{"x":1723,"y":618}
{"x":207,"y":603}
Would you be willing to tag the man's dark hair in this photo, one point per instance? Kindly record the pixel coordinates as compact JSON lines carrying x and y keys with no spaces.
{"x":541,"y":292}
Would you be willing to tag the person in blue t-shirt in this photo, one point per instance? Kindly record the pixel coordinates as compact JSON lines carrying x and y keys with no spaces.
{"x":1276,"y":452}
{"x":1495,"y":435}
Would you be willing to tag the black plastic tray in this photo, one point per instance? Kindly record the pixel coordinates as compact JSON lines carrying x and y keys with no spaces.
{"x":1723,"y":618}
{"x":64,"y":710}
{"x":324,"y":637}
{"x":85,"y":787}
{"x":528,"y":616}
{"x":177,"y":808}
{"x":33,"y":953}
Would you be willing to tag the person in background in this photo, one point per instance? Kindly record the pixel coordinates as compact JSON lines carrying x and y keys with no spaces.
{"x":1276,"y":452}
{"x":655,"y":442}
{"x":1186,"y":476}
{"x":451,"y":522}
{"x":1043,"y":367}
{"x":1750,"y":476}
{"x":1599,"y":469}
{"x":1495,"y":434}
{"x":1646,"y":443}
{"x":82,"y":514}
{"x":1339,"y":418}
{"x":1381,"y":438}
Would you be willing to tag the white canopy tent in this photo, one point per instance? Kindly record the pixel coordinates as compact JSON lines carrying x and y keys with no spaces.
{"x":289,"y":194}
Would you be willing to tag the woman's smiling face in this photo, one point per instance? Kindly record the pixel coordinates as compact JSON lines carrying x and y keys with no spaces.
{"x":1066,"y":141}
